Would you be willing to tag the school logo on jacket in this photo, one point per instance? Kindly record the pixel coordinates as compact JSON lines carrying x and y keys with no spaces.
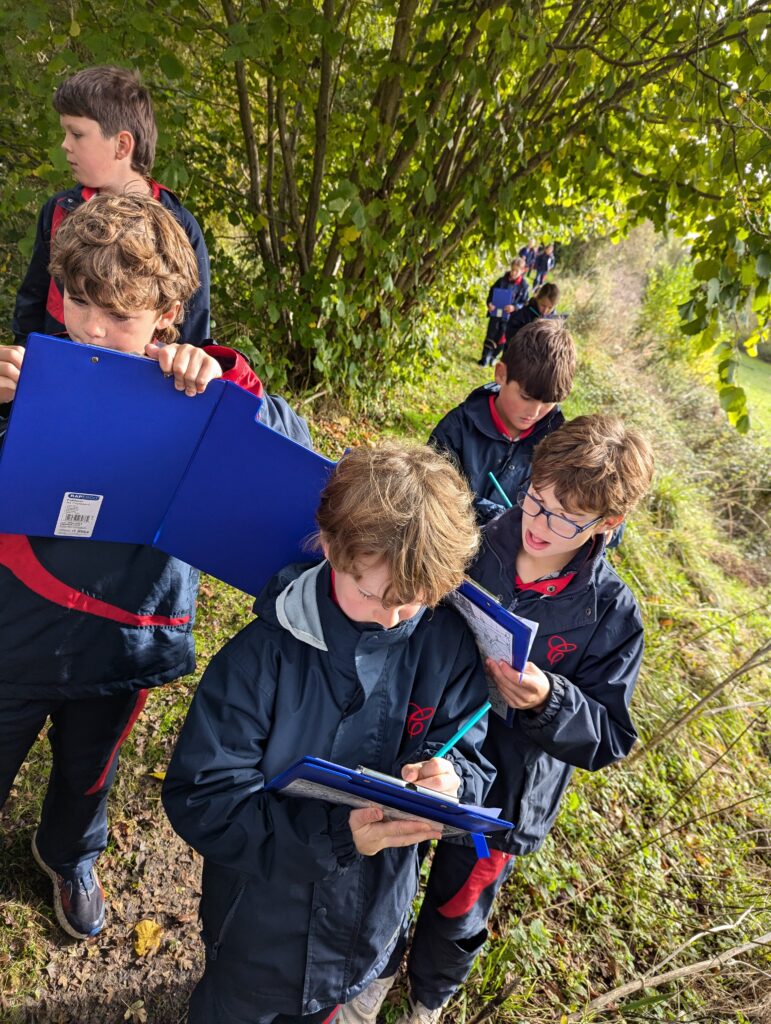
{"x":418,"y":719}
{"x":558,"y":647}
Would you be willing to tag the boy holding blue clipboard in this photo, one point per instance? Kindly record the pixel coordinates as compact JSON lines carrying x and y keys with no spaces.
{"x":568,"y":708}
{"x":352,"y":661}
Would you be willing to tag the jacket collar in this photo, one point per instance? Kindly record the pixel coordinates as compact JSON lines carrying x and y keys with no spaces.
{"x":477,"y":408}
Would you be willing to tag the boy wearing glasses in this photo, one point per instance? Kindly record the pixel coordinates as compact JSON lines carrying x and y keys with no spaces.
{"x":543,"y":559}
{"x":495,"y":429}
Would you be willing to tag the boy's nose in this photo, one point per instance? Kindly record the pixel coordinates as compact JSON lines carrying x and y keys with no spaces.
{"x":388,"y":617}
{"x":95,"y":328}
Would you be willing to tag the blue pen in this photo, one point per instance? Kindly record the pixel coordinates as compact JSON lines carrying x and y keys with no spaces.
{"x":500,"y":490}
{"x":463,"y":729}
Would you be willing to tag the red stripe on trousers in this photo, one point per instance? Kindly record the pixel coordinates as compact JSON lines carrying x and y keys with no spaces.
{"x":141,"y":698}
{"x":332,"y":1015}
{"x":16,"y":555}
{"x":484,"y":872}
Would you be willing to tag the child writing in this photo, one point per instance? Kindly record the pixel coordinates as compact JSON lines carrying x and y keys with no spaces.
{"x":544,"y":560}
{"x":495,"y":429}
{"x":352,"y":660}
{"x":541,"y":306}
{"x":85,"y":626}
{"x":109,"y":140}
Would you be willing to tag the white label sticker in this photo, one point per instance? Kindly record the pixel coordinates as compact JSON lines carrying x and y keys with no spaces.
{"x":78,"y":514}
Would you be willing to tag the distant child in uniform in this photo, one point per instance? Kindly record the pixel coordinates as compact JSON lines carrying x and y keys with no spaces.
{"x":87,"y":626}
{"x":497,"y":426}
{"x":570,"y":707}
{"x":109,"y":140}
{"x":528,"y":253}
{"x":542,"y":305}
{"x":544,"y":262}
{"x":352,"y":660}
{"x":514,"y":281}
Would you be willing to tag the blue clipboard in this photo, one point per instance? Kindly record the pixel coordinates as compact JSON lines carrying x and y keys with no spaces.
{"x":312,"y":777}
{"x":200,"y":478}
{"x":502,"y":297}
{"x":522,"y":631}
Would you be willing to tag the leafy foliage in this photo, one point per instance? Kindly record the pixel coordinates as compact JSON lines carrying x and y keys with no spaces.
{"x":346,"y":157}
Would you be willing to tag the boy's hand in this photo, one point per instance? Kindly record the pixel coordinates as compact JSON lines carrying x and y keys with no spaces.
{"x":490,"y":307}
{"x":11,"y":358}
{"x":508,"y":309}
{"x":438,"y":774}
{"x":371,"y":834}
{"x":529,"y":693}
{"x":191,"y":367}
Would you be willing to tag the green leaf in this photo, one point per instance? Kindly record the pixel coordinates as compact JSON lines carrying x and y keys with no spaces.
{"x":763,"y":264}
{"x":170,"y":66}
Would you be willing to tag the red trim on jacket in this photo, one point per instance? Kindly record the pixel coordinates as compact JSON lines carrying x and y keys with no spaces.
{"x":236,"y":369}
{"x":17,"y":556}
{"x":548,"y":586}
{"x":141,"y":698}
{"x":332,"y":1015}
{"x":484,"y":873}
{"x":55,"y":300}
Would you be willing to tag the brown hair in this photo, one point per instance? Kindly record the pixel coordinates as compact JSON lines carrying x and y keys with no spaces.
{"x":595,"y":465}
{"x":548,"y":291}
{"x":541,"y":358}
{"x":406,"y":505}
{"x":125,"y":253}
{"x":116,"y":99}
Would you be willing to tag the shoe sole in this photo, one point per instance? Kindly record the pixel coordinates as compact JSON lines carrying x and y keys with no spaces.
{"x":58,"y":908}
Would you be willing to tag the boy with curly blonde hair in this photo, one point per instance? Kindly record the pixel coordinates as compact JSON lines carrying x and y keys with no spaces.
{"x":86,"y":627}
{"x":353,"y":660}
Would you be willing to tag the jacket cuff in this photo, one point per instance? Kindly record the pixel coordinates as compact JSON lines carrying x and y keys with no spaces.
{"x":340,"y":835}
{"x":235,"y":368}
{"x":534,"y":720}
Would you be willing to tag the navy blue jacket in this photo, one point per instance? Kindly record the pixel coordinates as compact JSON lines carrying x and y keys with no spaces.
{"x":528,"y":255}
{"x":39,"y":300}
{"x":520,"y":292}
{"x":477,"y":447}
{"x":590,"y":646}
{"x":543,"y":263}
{"x":521,"y":318}
{"x":81,"y":618}
{"x":291,"y":910}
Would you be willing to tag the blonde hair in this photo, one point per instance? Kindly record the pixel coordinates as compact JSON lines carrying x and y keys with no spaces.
{"x":405,"y":505}
{"x":595,"y":465}
{"x":126,"y":253}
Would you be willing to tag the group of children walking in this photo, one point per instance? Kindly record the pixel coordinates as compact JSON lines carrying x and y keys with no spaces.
{"x":353,"y":657}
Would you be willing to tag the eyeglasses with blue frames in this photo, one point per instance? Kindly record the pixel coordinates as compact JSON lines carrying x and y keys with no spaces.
{"x":555,"y":522}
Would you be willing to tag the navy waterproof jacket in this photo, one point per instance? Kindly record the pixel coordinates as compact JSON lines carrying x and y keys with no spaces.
{"x":590,"y":646}
{"x":477,"y":447}
{"x":293,"y":913}
{"x":520,"y":291}
{"x":39,"y":299}
{"x":82,"y":618}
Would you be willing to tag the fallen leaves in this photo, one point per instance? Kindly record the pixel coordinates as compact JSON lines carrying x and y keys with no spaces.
{"x":147,"y":937}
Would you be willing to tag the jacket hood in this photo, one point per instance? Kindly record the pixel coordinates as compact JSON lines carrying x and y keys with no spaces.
{"x":297,"y":600}
{"x":477,"y":407}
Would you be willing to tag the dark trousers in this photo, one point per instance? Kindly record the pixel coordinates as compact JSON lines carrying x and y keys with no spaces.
{"x":452,"y":924}
{"x":216,"y":1001}
{"x":85,"y":737}
{"x":494,"y":337}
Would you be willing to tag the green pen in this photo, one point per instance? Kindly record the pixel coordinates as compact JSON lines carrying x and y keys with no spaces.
{"x":468,"y":724}
{"x":500,"y":490}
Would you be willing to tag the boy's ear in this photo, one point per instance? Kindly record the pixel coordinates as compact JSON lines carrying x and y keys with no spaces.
{"x":610,"y":523}
{"x":500,"y":373}
{"x":124,"y":145}
{"x":167,"y":319}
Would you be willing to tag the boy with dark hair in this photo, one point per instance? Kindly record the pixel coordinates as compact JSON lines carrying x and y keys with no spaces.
{"x":543,"y":263}
{"x":570,"y":706}
{"x":541,"y":306}
{"x":352,"y":660}
{"x":109,"y":140}
{"x":496,"y":428}
{"x":513,"y":280}
{"x":86,"y":627}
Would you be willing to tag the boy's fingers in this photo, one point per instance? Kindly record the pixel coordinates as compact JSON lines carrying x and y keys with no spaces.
{"x":364,"y":816}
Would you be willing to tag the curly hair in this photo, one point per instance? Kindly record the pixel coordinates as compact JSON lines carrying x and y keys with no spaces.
{"x":406,"y":505}
{"x":126,"y":253}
